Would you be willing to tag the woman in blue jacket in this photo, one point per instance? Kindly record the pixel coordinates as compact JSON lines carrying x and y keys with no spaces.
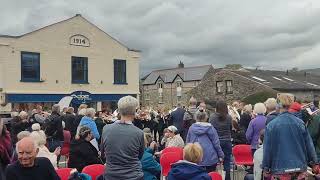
{"x":150,"y":167}
{"x":188,"y":169}
{"x":206,"y":135}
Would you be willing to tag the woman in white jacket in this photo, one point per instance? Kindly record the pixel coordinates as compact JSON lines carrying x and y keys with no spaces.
{"x":40,"y":139}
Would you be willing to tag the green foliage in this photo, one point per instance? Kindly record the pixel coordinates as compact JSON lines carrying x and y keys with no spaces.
{"x":259,"y":97}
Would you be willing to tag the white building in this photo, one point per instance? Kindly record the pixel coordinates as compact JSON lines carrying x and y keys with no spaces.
{"x":72,"y":57}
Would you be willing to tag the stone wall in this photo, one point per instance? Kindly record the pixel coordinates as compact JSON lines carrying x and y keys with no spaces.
{"x":150,"y":94}
{"x":242,"y":86}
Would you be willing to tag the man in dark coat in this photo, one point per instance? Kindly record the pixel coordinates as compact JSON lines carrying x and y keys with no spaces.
{"x":177,"y":117}
{"x":69,"y":118}
{"x":54,"y":129}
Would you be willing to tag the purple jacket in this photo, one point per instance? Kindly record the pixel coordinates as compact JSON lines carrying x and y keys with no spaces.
{"x":206,"y":135}
{"x":253,"y":132}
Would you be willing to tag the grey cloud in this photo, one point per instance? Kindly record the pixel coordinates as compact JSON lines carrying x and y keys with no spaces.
{"x":277,"y":34}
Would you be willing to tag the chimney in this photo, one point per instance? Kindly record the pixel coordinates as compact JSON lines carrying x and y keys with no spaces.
{"x":181,"y":65}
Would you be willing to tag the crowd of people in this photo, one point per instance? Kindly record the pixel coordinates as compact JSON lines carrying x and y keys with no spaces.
{"x":283,"y":134}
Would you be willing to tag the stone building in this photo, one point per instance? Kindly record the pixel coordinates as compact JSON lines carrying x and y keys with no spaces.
{"x":167,"y":87}
{"x":239,"y":84}
{"x":69,"y":58}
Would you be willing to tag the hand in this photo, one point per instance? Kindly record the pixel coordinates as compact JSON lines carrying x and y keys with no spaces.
{"x":153,"y":145}
{"x":221,"y":160}
{"x":157,"y":153}
{"x":316,"y":169}
{"x":57,"y":151}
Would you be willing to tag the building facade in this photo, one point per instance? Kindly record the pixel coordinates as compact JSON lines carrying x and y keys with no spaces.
{"x":167,"y":87}
{"x":240,"y":84}
{"x":69,"y":58}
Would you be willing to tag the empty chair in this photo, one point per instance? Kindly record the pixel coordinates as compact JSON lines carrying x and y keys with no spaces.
{"x":215,"y":176}
{"x":166,"y":160}
{"x":64,"y":173}
{"x":242,"y":156}
{"x":94,"y":170}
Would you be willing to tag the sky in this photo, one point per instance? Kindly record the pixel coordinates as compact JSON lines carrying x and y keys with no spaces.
{"x":269,"y":34}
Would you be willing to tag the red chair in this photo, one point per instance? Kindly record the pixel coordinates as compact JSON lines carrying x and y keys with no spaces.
{"x":215,"y":176}
{"x":242,"y":156}
{"x":177,"y":150}
{"x":94,"y":170}
{"x":166,"y":160}
{"x":64,"y":173}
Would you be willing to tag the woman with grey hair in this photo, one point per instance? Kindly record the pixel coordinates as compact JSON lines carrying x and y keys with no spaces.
{"x":256,"y":125}
{"x":40,"y":139}
{"x":123,"y":144}
{"x":271,"y":105}
{"x":18,"y":124}
{"x":88,"y":121}
{"x":206,"y":135}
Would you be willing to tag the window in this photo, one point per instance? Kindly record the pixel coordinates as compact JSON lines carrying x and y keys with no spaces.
{"x":219,"y":86}
{"x":229,"y":86}
{"x":160,"y":85}
{"x":79,"y":69}
{"x":120,"y":71}
{"x":147,"y":97}
{"x":179,"y":84}
{"x":30,"y":67}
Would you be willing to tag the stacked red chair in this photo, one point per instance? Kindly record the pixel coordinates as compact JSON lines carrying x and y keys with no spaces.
{"x":94,"y":170}
{"x":64,"y":173}
{"x":242,"y":156}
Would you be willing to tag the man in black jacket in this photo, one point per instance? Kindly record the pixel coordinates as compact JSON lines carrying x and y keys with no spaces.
{"x":69,"y":118}
{"x":28,"y":166}
{"x":177,"y":117}
{"x":54,"y":129}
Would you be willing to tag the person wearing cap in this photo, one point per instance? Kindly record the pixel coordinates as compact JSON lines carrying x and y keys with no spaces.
{"x":173,"y":138}
{"x":288,"y":147}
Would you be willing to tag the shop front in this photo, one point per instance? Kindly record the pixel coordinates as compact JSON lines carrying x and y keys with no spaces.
{"x":27,"y":102}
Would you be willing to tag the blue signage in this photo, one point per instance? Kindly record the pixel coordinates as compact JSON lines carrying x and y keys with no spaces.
{"x":81,"y":97}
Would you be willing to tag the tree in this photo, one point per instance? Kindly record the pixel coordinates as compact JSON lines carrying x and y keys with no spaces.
{"x":233,"y":66}
{"x":295,"y":69}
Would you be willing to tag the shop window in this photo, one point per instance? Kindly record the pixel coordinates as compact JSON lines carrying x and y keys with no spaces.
{"x":219,"y":85}
{"x":79,"y":70}
{"x":30,"y":67}
{"x":229,"y":85}
{"x":120,"y":71}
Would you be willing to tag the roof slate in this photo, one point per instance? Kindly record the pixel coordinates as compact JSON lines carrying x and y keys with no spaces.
{"x":195,"y":73}
{"x":280,"y":80}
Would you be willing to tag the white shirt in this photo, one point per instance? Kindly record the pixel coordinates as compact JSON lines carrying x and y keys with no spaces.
{"x":257,"y":161}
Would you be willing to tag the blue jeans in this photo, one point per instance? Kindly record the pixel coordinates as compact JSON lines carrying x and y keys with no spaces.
{"x":227,"y":150}
{"x":249,"y":177}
